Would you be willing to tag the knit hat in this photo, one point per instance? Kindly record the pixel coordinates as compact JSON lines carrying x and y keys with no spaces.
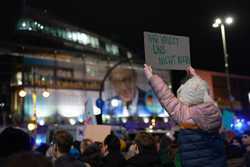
{"x":194,"y":91}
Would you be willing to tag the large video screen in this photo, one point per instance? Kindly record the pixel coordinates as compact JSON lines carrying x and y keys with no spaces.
{"x":128,"y":94}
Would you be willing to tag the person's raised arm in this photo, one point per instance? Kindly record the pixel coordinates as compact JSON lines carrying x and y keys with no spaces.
{"x":191,"y":72}
{"x":148,"y":71}
{"x":179,"y":111}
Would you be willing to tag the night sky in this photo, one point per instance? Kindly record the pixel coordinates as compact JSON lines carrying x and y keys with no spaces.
{"x":125,"y":22}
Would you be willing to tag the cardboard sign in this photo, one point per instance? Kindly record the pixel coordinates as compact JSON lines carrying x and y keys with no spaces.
{"x":169,"y":52}
{"x":97,"y":132}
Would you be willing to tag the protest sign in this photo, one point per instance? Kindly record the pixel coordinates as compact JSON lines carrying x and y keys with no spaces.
{"x":169,"y":52}
{"x":97,"y":132}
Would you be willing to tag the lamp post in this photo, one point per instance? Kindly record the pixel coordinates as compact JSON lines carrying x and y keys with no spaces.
{"x":220,"y":23}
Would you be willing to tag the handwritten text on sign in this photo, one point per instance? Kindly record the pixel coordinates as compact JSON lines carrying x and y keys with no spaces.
{"x":167,"y":51}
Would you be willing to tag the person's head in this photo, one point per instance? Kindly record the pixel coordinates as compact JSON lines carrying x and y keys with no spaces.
{"x":145,"y":142}
{"x":14,"y":140}
{"x":112,"y":143}
{"x":124,"y":83}
{"x":92,"y":155}
{"x":63,"y":141}
{"x":28,"y":159}
{"x":194,"y":91}
{"x":84,"y":144}
{"x":102,"y":147}
{"x":236,"y":141}
{"x":246,"y":138}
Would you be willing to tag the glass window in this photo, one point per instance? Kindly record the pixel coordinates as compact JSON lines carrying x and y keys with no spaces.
{"x":64,"y":34}
{"x":58,"y":33}
{"x":53,"y":31}
{"x":23,"y":24}
{"x":79,"y":37}
{"x":19,"y":78}
{"x":129,"y":55}
{"x":112,"y":49}
{"x":107,"y":48}
{"x":96,"y":43}
{"x":84,"y":38}
{"x":74,"y":36}
{"x":46,"y":29}
{"x":69,"y":35}
{"x":115,"y":50}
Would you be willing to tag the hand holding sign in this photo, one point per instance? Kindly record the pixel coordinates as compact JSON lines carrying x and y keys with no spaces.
{"x":191,"y":72}
{"x":148,"y":71}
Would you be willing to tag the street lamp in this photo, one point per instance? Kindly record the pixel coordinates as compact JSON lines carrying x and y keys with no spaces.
{"x":22,"y":93}
{"x":221,"y":23}
{"x":46,"y":93}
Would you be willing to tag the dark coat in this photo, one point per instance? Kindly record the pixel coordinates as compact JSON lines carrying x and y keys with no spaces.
{"x":199,"y":148}
{"x":144,"y":160}
{"x":68,"y":161}
{"x":247,"y":159}
{"x":114,"y":159}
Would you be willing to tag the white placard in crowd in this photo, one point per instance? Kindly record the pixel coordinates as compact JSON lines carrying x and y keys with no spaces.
{"x":97,"y":132}
{"x":168,"y":52}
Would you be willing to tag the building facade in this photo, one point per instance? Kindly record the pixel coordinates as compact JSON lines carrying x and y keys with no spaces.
{"x":240,"y":88}
{"x":53,"y":69}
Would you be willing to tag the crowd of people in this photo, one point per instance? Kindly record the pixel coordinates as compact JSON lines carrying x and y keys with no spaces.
{"x":17,"y":150}
{"x":144,"y":150}
{"x":238,"y":150}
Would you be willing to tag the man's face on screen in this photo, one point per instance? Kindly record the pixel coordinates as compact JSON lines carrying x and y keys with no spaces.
{"x":124,"y":84}
{"x":126,"y":90}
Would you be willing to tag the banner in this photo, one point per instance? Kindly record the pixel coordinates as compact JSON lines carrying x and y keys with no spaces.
{"x":89,"y":113}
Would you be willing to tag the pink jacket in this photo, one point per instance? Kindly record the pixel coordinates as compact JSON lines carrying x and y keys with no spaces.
{"x":206,"y":116}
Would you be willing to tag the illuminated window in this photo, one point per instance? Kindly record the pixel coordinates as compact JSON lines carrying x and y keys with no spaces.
{"x":46,"y":29}
{"x":74,"y":36}
{"x":59,"y":33}
{"x":23,"y":24}
{"x":79,"y":37}
{"x":129,"y":55}
{"x":53,"y":32}
{"x":94,"y":42}
{"x":83,"y":38}
{"x":64,"y":35}
{"x":113,"y":49}
{"x":69,"y":35}
{"x":19,"y":78}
